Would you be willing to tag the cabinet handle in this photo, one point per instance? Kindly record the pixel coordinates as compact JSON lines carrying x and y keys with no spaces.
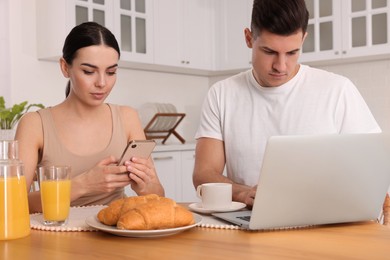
{"x":344,"y":52}
{"x":187,"y":62}
{"x":163,"y":158}
{"x":183,"y":62}
{"x":336,"y":52}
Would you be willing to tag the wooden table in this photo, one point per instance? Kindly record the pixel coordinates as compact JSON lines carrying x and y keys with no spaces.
{"x":349,"y":241}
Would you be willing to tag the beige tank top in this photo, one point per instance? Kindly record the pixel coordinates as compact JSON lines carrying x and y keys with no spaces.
{"x":55,"y":153}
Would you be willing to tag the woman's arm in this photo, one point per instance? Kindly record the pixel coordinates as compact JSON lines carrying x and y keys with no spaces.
{"x":29,"y":135}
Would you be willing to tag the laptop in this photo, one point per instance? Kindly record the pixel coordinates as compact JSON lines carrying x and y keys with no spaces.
{"x":318,"y":179}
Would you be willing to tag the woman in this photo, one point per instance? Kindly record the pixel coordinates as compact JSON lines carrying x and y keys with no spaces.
{"x":83,"y":131}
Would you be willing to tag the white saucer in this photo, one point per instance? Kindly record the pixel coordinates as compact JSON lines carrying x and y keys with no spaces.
{"x":197,"y":207}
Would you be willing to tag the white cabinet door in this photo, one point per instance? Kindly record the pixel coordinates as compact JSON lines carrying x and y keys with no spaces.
{"x":346,"y":29}
{"x":55,"y":19}
{"x":99,"y":11}
{"x":167,"y":32}
{"x":182,"y":33}
{"x":323,"y":41}
{"x":168,"y":166}
{"x":197,"y":28}
{"x":187,"y":168}
{"x":129,"y":20}
{"x":366,"y":27}
{"x":134,"y":29}
{"x":231,"y":18}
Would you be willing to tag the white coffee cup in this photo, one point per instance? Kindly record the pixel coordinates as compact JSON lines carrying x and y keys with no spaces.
{"x":215,"y":195}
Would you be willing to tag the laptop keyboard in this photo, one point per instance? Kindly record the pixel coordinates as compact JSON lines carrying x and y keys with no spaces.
{"x":246,"y":218}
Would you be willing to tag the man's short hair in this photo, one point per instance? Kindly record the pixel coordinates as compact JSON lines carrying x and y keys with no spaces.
{"x":282,"y":17}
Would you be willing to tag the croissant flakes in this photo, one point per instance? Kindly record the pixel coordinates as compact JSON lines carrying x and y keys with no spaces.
{"x":145,"y":213}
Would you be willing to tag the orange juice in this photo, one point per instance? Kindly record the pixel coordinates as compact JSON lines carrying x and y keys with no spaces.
{"x":14,"y":214}
{"x":55,"y":196}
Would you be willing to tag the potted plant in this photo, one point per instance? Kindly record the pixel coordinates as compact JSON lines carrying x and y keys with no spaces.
{"x":10,"y":116}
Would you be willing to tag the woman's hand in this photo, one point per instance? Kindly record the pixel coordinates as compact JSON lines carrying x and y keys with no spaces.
{"x":105,"y":176}
{"x":143,"y":177}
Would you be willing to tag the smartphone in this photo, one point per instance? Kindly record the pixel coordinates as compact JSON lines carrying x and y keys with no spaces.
{"x":137,"y":148}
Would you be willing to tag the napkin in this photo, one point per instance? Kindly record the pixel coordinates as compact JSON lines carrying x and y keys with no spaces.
{"x":76,"y":220}
{"x":209,"y":221}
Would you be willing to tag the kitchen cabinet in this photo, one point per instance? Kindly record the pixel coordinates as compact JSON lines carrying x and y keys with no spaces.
{"x":188,"y":193}
{"x":133,"y":26}
{"x":165,"y":35}
{"x":99,"y":11}
{"x":347,"y":29}
{"x":204,"y":37}
{"x":53,"y":24}
{"x":168,"y":166}
{"x":183,"y":33}
{"x":174,"y":168}
{"x":231,"y":51}
{"x":129,"y":20}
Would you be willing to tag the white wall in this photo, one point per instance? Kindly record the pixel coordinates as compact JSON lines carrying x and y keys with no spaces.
{"x":4,"y":54}
{"x":185,"y":92}
{"x":42,"y":81}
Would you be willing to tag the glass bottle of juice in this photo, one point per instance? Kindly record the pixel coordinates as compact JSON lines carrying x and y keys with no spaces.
{"x":14,"y":214}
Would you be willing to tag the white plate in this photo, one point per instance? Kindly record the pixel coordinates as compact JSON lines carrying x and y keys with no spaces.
{"x":146,"y":113}
{"x":164,"y":120}
{"x":172,"y":120}
{"x":95,"y":223}
{"x":160,"y":122}
{"x":197,"y":207}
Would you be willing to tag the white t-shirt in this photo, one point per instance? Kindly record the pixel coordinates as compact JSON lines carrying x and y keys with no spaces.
{"x":244,"y":115}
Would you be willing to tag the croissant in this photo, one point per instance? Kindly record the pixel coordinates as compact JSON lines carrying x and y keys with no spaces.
{"x":110,"y":215}
{"x":156,"y":214}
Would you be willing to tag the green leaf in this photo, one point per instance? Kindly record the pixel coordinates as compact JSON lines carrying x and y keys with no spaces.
{"x":10,"y":116}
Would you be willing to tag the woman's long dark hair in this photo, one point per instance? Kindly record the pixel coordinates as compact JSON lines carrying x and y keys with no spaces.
{"x":84,"y":35}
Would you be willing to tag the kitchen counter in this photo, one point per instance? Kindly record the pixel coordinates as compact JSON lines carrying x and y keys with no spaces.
{"x":174,"y":147}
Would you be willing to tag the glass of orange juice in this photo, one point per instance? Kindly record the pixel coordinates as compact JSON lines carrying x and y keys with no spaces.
{"x":54,"y":182}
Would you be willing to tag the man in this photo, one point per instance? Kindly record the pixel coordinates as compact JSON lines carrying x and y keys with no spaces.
{"x":277,"y":96}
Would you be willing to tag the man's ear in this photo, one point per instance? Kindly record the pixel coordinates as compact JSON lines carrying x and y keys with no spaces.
{"x":64,"y":67}
{"x":248,"y":37}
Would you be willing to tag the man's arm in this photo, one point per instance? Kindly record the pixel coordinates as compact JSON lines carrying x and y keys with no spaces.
{"x":209,"y":166}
